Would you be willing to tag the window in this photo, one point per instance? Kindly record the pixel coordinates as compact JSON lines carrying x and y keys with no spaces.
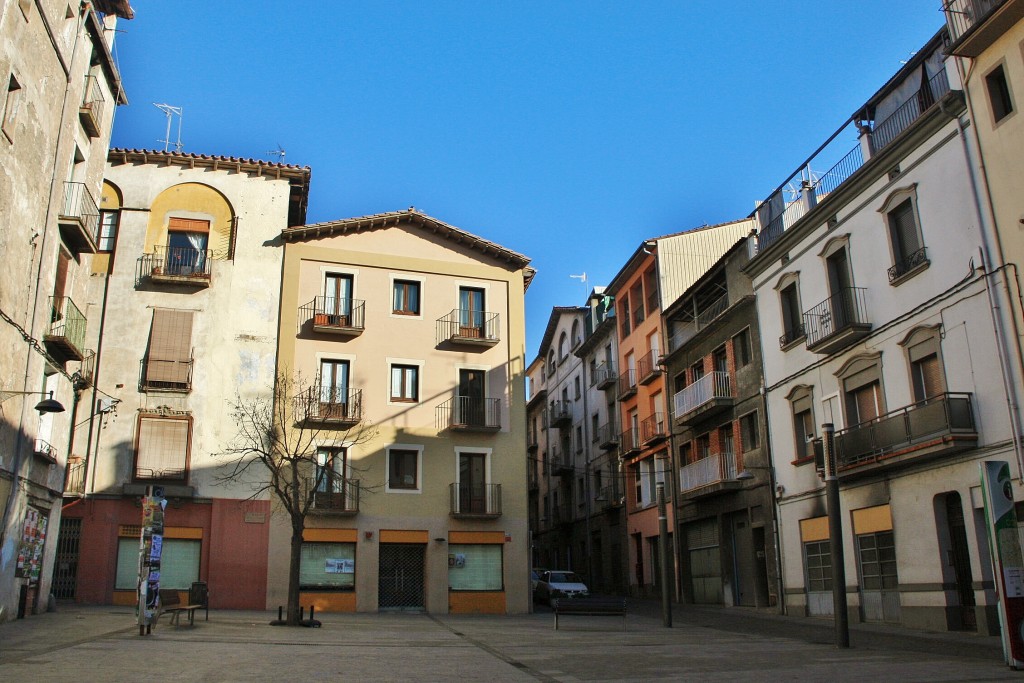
{"x":576,"y":382}
{"x":406,"y":298}
{"x":725,"y":440}
{"x":333,"y":390}
{"x":12,"y":103}
{"x":861,"y":380}
{"x":179,"y":563}
{"x":162,"y":448}
{"x":818,"y":562}
{"x":168,"y":362}
{"x":686,"y":454}
{"x":579,"y":438}
{"x":720,"y":359}
{"x":473,"y":493}
{"x":471,"y":312}
{"x":925,"y":360}
{"x":703,"y":446}
{"x":330,"y":470}
{"x":581,"y":492}
{"x":338,"y":298}
{"x":475,"y":567}
{"x":750,"y":437}
{"x":908,"y":252}
{"x":563,"y":346}
{"x":636,"y":302}
{"x":551,"y":362}
{"x":651,"y":288}
{"x":638,"y":495}
{"x":327,"y":566}
{"x":405,"y":383}
{"x":576,"y":339}
{"x":741,"y":348}
{"x":696,"y":371}
{"x":803,"y":422}
{"x":186,"y":246}
{"x":999,"y":94}
{"x":403,"y":469}
{"x":108,"y":230}
{"x":877,"y":555}
{"x":624,"y":308}
{"x":792,"y":317}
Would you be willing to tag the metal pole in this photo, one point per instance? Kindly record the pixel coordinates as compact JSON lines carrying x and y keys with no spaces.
{"x":666,"y":559}
{"x":835,"y":534}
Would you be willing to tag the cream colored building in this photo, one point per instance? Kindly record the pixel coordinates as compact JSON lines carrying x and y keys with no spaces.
{"x":410,"y":334}
{"x":60,"y":87}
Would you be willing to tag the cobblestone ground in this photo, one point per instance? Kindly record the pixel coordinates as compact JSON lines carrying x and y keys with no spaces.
{"x":102,"y":644}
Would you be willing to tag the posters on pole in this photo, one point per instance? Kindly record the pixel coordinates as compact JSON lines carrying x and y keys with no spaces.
{"x":30,"y":550}
{"x":996,"y":484}
{"x":151,"y":544}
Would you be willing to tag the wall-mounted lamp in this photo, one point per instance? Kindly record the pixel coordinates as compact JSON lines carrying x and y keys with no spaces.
{"x":47,"y":405}
{"x":440,"y":540}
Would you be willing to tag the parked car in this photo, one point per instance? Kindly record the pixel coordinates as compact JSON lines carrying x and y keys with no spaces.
{"x":535,"y":574}
{"x":559,"y":584}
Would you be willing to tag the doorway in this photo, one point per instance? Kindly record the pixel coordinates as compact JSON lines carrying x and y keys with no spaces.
{"x":401,"y":577}
{"x":470,"y":403}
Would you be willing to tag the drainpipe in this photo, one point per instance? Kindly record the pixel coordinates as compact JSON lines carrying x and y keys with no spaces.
{"x":984,"y":210}
{"x":588,"y":444}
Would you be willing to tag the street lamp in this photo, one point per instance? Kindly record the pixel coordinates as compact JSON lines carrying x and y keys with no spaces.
{"x":47,"y":405}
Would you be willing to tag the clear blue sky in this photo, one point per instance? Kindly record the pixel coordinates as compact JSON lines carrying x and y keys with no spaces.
{"x":567,"y":131}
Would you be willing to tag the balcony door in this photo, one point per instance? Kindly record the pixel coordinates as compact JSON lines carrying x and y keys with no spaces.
{"x":330,"y":478}
{"x":334,"y":388}
{"x":187,"y":241}
{"x":473,"y":483}
{"x":338,"y":299}
{"x":470,"y":402}
{"x":840,"y":284}
{"x":471,"y":312}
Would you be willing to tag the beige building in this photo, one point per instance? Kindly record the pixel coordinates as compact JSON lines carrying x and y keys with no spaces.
{"x":60,"y":90}
{"x":409,"y":334}
{"x":185,"y":299}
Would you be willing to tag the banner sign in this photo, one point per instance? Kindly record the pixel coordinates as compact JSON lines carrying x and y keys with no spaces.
{"x":997,"y":487}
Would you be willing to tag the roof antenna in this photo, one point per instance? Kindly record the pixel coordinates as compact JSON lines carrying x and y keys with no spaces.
{"x":582,"y":277}
{"x":170,"y":112}
{"x":279,"y":153}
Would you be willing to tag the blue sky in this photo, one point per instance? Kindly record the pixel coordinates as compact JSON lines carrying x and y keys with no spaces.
{"x":567,"y":131}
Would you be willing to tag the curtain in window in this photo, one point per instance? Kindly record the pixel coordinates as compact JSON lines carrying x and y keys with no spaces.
{"x":163,"y":448}
{"x":168,"y":360}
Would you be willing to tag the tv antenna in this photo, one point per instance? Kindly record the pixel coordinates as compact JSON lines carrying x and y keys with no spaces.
{"x":170,"y":112}
{"x":582,"y":277}
{"x":279,"y":153}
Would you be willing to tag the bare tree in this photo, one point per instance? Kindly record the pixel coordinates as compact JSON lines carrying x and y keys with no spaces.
{"x":276,"y":449}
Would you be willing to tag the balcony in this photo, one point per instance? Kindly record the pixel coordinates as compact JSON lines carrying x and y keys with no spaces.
{"x":648,"y":368}
{"x":702,"y":315}
{"x":653,"y":430}
{"x":168,"y":474}
{"x":609,"y":498}
{"x":177,"y":266}
{"x":792,"y":336}
{"x":468,"y":327}
{"x":166,"y":375}
{"x":470,"y":414}
{"x":90,"y":113}
{"x":974,"y":25}
{"x":335,"y":496}
{"x":74,"y":481}
{"x":629,"y":443}
{"x":561,"y":463}
{"x":709,"y":476}
{"x":338,"y":407}
{"x":86,"y":369}
{"x":65,"y":337}
{"x":939,"y":426}
{"x":45,"y":451}
{"x":838,"y":321}
{"x":710,"y":394}
{"x":560,"y":414}
{"x":562,"y":514}
{"x":604,"y":376}
{"x":477,"y":501}
{"x":330,"y":315}
{"x":607,"y":437}
{"x":627,"y":384}
{"x":79,"y":219}
{"x":918,"y":259}
{"x":532,"y":443}
{"x":885,"y":132}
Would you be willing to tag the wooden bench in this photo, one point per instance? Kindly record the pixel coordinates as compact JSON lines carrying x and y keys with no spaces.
{"x":590,"y":607}
{"x":170,"y":601}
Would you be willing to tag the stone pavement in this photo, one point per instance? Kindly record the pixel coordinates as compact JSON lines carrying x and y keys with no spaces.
{"x":705,"y":644}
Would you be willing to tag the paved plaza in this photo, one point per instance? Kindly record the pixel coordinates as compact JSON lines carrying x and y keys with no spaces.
{"x":705,"y":644}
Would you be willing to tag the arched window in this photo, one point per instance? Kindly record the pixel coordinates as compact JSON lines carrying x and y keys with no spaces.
{"x":563,"y":347}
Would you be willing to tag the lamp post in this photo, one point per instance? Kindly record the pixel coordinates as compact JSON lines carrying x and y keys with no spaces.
{"x":666,"y":559}
{"x":835,"y":534}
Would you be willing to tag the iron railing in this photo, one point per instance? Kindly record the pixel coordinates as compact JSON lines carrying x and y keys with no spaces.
{"x":627,"y":384}
{"x":342,"y":313}
{"x":792,"y":335}
{"x":328,"y":403}
{"x":87,"y":368}
{"x":80,"y":206}
{"x":942,"y":415}
{"x":714,"y":385}
{"x":647,"y":365}
{"x":470,"y":412}
{"x":653,"y":428}
{"x":74,"y":479}
{"x":908,"y":264}
{"x":604,"y":375}
{"x":177,"y":262}
{"x":560,"y":413}
{"x":963,"y":15}
{"x":45,"y":451}
{"x":335,"y":494}
{"x":840,"y":311}
{"x":93,"y":104}
{"x":67,"y":323}
{"x":165,"y":375}
{"x":165,"y":474}
{"x":474,"y":500}
{"x":607,"y":437}
{"x":710,"y":470}
{"x":908,"y":112}
{"x":628,"y":441}
{"x":466,"y":325}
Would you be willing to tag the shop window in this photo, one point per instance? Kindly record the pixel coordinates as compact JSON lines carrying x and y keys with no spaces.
{"x":327,"y":566}
{"x":475,"y":567}
{"x":179,"y":563}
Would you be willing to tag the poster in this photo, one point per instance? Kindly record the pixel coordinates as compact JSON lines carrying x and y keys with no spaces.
{"x":30,"y":550}
{"x":151,"y":545}
{"x":339,"y":566}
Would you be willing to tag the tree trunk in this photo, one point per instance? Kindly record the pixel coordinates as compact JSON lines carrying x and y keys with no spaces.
{"x":293,"y":574}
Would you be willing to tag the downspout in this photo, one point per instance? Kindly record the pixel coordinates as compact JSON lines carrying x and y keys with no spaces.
{"x":995,"y":311}
{"x":586,"y":470}
{"x":89,"y":478}
{"x":780,"y":584}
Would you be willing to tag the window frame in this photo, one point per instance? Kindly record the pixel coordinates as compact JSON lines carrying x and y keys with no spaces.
{"x":158,"y":417}
{"x":349,"y":586}
{"x":405,"y":370}
{"x":741,"y":348}
{"x":857,"y":374}
{"x":406,"y":284}
{"x":750,"y":432}
{"x":898,"y":251}
{"x":1000,"y":95}
{"x":405,"y":449}
{"x":801,"y":402}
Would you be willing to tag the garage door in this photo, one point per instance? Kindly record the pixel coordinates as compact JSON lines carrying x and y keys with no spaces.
{"x":705,"y":562}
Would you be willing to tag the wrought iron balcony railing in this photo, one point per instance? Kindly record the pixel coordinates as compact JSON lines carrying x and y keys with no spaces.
{"x":93,"y":107}
{"x":466,"y":326}
{"x":629,"y":442}
{"x":165,"y":375}
{"x":647,"y":366}
{"x":161,"y":474}
{"x":843,"y":311}
{"x":470,"y":413}
{"x":935,"y":422}
{"x":74,"y":480}
{"x":335,"y":495}
{"x":44,"y":450}
{"x":627,"y":384}
{"x":179,"y":265}
{"x":914,"y":260}
{"x":79,"y":218}
{"x":327,"y":404}
{"x":475,"y":500}
{"x":65,"y":337}
{"x":607,"y":436}
{"x":653,"y":429}
{"x":560,"y":413}
{"x":604,"y":376}
{"x":334,"y":315}
{"x":962,"y":16}
{"x":792,"y":335}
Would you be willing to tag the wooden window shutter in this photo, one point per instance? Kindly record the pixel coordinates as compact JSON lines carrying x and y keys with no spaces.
{"x":187,"y":225}
{"x":904,"y":229}
{"x":163,"y":448}
{"x":61,"y":281}
{"x":170,"y":347}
